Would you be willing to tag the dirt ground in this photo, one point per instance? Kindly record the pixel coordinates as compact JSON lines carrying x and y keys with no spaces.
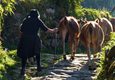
{"x":68,"y":70}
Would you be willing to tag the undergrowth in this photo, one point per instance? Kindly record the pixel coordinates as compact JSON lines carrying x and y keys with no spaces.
{"x":102,"y":68}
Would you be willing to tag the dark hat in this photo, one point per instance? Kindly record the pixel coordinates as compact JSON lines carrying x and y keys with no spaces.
{"x":34,"y":13}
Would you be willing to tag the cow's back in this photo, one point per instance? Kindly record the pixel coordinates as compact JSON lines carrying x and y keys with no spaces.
{"x":73,"y":25}
{"x":106,"y":26}
{"x":91,"y":32}
{"x":112,"y":20}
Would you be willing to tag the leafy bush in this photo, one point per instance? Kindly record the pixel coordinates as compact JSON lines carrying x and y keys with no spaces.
{"x":6,"y":7}
{"x":6,"y":61}
{"x":91,"y":14}
{"x":103,"y":64}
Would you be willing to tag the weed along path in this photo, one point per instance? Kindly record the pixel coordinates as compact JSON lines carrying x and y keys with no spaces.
{"x":66,"y":70}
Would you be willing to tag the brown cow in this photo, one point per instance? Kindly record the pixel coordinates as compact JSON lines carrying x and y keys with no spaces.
{"x":112,"y":20}
{"x":92,"y":35}
{"x":69,"y":25}
{"x":106,"y":26}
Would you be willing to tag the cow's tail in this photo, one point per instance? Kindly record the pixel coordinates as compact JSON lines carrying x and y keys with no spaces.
{"x":91,"y":31}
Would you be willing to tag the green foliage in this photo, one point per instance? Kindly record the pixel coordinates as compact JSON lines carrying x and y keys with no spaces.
{"x":103,"y":64}
{"x":6,"y":7}
{"x":108,"y":4}
{"x":6,"y":61}
{"x":26,"y":5}
{"x":91,"y":14}
{"x":100,"y":4}
{"x":62,"y":7}
{"x":2,"y":68}
{"x":12,"y":53}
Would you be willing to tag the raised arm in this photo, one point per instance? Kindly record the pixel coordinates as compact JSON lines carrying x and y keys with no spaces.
{"x":46,"y":29}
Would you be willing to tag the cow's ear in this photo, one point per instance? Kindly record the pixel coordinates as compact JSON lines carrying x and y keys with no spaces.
{"x":65,"y":19}
{"x":97,"y":20}
{"x":85,"y":20}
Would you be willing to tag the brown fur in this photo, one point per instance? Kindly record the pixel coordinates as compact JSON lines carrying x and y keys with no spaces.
{"x":92,"y":35}
{"x":69,"y":25}
{"x":112,"y":20}
{"x":106,"y":26}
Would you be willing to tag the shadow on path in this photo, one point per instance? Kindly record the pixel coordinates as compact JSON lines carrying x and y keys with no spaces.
{"x":69,"y":70}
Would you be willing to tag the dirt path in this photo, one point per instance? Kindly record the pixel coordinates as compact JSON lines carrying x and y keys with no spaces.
{"x":66,"y":70}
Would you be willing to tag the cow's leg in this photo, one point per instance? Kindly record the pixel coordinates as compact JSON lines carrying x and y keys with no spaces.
{"x":88,"y":53}
{"x":76,"y":42}
{"x":96,"y":47}
{"x":64,"y":54}
{"x":94,"y":50}
{"x":73,"y":44}
{"x":63,"y":34}
{"x":71,"y":41}
{"x":73,"y":47}
{"x":94,"y":56}
{"x":73,"y":51}
{"x":23,"y":64}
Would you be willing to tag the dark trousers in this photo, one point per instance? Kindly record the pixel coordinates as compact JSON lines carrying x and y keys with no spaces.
{"x":36,"y":48}
{"x":24,"y":62}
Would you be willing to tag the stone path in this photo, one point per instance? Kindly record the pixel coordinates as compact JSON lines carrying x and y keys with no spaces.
{"x":67,"y":70}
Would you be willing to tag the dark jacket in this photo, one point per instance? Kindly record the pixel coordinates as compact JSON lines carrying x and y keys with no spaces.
{"x":30,"y":43}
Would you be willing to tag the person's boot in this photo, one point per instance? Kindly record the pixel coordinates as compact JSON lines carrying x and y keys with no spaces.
{"x":39,"y":68}
{"x":22,"y":73}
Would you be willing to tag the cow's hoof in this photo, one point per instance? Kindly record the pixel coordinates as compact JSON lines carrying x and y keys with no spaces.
{"x":95,"y":56}
{"x":72,"y":58}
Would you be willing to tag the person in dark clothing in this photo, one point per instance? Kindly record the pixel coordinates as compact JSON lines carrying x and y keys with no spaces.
{"x":30,"y":43}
